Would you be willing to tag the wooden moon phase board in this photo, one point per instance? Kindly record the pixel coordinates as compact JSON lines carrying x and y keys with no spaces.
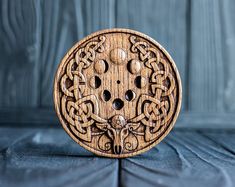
{"x":117,"y":93}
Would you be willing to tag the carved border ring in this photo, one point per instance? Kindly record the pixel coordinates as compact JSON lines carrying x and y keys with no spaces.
{"x":57,"y":96}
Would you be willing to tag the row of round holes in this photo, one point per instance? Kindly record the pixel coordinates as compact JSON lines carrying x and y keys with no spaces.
{"x":129,"y":95}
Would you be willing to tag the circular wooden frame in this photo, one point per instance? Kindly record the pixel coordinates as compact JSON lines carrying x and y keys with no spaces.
{"x":76,"y":96}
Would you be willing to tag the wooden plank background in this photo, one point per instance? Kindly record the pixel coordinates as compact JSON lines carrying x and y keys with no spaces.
{"x":200,"y":36}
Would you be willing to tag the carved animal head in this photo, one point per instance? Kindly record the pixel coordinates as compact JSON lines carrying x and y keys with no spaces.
{"x":117,"y":131}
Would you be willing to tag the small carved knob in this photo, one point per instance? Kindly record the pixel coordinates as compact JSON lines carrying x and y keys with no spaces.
{"x":117,"y":55}
{"x":118,"y":121}
{"x":117,"y":93}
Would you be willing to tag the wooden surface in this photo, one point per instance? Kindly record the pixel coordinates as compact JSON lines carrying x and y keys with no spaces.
{"x":35,"y":35}
{"x":199,"y":35}
{"x":117,"y":92}
{"x":48,"y":157}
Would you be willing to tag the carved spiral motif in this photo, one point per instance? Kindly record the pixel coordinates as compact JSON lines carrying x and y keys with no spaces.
{"x":117,"y":93}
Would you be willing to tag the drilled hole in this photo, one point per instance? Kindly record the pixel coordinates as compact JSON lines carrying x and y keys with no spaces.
{"x":138,"y":82}
{"x":118,"y":81}
{"x":129,"y":66}
{"x":106,"y":66}
{"x":129,"y":95}
{"x":97,"y":82}
{"x":118,"y":104}
{"x":106,"y":95}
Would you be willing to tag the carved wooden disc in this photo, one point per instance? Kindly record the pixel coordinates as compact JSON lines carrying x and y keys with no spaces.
{"x":117,"y":93}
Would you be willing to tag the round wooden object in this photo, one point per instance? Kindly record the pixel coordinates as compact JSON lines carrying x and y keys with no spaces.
{"x":117,"y":93}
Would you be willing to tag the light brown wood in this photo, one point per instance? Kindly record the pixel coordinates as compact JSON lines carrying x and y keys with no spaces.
{"x":117,"y":93}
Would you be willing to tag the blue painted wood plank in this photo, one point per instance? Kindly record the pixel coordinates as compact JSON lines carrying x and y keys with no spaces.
{"x":18,"y":53}
{"x":63,"y":24}
{"x":207,"y":66}
{"x":49,"y":157}
{"x":166,"y":22}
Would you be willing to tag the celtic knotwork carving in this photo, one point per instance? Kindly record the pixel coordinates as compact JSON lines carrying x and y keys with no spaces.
{"x":117,"y":93}
{"x":80,"y":111}
{"x":154,"y":111}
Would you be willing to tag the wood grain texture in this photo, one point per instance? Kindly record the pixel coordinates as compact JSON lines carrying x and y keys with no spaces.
{"x":165,"y":21}
{"x":227,"y":9}
{"x":19,"y":46}
{"x":40,"y":157}
{"x":62,"y":25}
{"x":185,"y":158}
{"x":30,"y":153}
{"x":207,"y":75}
{"x":59,"y":30}
{"x":117,"y":92}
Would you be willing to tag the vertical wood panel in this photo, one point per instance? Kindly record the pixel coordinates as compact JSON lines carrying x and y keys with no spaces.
{"x":165,"y":21}
{"x":63,"y":24}
{"x":18,"y":53}
{"x":206,"y":85}
{"x":58,"y":31}
{"x":228,"y":48}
